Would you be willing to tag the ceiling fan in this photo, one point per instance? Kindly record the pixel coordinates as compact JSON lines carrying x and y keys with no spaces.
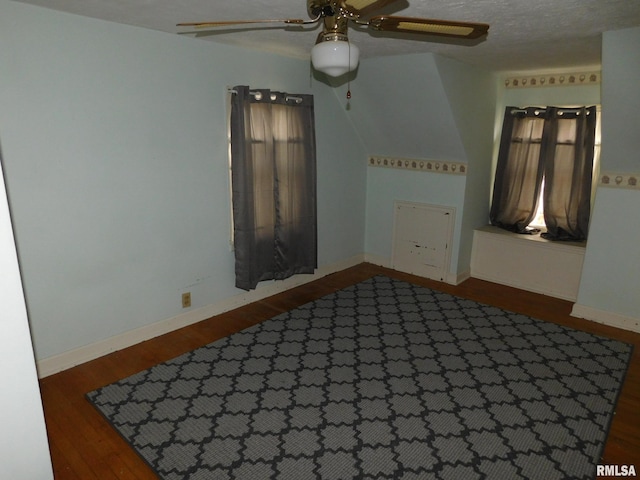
{"x":333,"y":54}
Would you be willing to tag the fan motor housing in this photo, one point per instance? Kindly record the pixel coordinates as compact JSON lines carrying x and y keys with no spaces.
{"x":323,"y":8}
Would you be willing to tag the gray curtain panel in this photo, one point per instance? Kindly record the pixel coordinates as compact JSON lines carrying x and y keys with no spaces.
{"x":568,"y":149}
{"x":555,"y":145}
{"x":519,"y":170}
{"x":273,"y":173}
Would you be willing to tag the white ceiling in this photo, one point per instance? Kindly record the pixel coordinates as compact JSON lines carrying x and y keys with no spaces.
{"x":524,"y":34}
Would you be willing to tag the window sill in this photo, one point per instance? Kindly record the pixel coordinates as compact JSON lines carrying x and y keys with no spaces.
{"x":530,"y":238}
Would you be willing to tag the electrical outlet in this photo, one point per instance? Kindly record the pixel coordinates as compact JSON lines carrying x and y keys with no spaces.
{"x":186,"y":300}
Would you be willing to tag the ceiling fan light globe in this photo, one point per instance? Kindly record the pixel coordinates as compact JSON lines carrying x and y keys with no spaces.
{"x":335,"y":58}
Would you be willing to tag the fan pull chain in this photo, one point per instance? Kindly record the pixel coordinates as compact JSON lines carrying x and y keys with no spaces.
{"x":349,"y":81}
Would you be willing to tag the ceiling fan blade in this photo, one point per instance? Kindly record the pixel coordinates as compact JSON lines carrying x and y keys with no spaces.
{"x":362,"y":8}
{"x":468,"y":30}
{"x":226,"y":23}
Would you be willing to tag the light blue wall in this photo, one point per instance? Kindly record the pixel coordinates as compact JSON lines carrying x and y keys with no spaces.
{"x":422,"y":106}
{"x":472,"y":96}
{"x":341,"y":178}
{"x":543,"y":96}
{"x":401,"y":110}
{"x":116,"y":165}
{"x":115,"y":151}
{"x":610,"y":280}
{"x":621,"y":98}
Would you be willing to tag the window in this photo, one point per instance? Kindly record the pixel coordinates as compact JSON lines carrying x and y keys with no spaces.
{"x":546,"y":162}
{"x":273,"y":177}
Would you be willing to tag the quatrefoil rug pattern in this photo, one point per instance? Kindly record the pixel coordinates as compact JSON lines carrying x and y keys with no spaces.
{"x":381,"y":380}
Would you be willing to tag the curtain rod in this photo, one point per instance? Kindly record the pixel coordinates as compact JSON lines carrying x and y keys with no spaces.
{"x":538,"y":111}
{"x":258,"y":95}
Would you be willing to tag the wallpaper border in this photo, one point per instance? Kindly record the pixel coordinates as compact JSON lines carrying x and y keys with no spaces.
{"x":552,"y":79}
{"x":628,"y":181}
{"x":418,"y":164}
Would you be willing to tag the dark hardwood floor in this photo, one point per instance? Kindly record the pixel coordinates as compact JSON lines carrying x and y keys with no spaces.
{"x":85,"y":447}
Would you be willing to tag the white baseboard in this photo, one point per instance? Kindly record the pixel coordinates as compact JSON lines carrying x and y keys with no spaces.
{"x":607,"y":318}
{"x":377,"y":260}
{"x":66,"y":360}
{"x":457,"y":279}
{"x":452,"y":278}
{"x":524,"y":286}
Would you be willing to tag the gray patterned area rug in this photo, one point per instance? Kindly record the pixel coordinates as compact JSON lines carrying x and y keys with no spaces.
{"x":381,"y":380}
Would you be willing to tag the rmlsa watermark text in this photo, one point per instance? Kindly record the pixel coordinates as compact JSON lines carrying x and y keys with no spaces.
{"x":616,"y":471}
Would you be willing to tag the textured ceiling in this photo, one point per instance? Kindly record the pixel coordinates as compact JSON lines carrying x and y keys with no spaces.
{"x":524,"y":34}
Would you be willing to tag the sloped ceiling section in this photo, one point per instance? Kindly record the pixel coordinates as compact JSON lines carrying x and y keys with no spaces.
{"x":400,"y":108}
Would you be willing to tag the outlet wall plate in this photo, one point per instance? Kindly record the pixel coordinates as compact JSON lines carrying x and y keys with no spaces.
{"x":186,"y":300}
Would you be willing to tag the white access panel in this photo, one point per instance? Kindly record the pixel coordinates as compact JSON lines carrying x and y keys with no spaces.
{"x":422,"y":239}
